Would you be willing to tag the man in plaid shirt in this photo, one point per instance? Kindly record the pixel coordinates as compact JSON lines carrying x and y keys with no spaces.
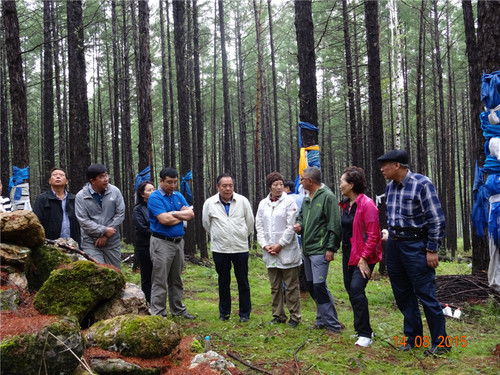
{"x":416,"y":228}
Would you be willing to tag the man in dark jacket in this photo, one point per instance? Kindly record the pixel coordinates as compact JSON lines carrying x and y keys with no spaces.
{"x":319,"y":224}
{"x":56,"y":209}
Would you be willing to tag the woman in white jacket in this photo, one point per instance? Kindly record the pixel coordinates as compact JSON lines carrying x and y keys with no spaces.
{"x":280,"y":249}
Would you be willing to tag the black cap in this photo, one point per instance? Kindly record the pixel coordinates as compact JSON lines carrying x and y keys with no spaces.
{"x":400,"y":156}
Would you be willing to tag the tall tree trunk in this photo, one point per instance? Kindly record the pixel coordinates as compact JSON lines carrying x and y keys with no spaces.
{"x":241,"y":109}
{"x":488,"y":45}
{"x":198,"y":165}
{"x":444,"y":159}
{"x":225,"y":88}
{"x":356,"y":144}
{"x":182,"y":95}
{"x":304,"y":30}
{"x":421,"y":160}
{"x":164,"y":89}
{"x":115,"y":117}
{"x":48,"y":92}
{"x":276,"y":167}
{"x":4,"y":121}
{"x":450,"y":134}
{"x":375,"y":105}
{"x":79,"y":140}
{"x":17,"y":86}
{"x":145,"y":110}
{"x":173,"y":151}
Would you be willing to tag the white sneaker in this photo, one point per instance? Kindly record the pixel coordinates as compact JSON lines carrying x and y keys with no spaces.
{"x":364,"y":342}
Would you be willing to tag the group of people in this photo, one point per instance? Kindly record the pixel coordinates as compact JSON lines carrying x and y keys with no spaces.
{"x":291,"y":229}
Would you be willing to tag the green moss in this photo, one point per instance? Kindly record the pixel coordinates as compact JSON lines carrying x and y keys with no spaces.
{"x":77,"y":289}
{"x":197,"y":347}
{"x":41,"y":262}
{"x":138,"y":336}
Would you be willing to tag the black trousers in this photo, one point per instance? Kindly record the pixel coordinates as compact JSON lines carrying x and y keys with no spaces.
{"x":355,"y":285}
{"x":223,"y":263}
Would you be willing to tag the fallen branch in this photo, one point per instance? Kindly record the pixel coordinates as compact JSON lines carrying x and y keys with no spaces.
{"x":295,"y":356}
{"x":71,"y":248}
{"x":253,"y":367}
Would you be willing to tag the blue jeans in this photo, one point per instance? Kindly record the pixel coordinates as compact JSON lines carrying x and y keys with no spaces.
{"x":223,"y":267}
{"x":413,"y":280}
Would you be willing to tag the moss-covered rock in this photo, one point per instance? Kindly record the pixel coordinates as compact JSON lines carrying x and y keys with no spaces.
{"x":51,"y":350}
{"x":41,"y":262}
{"x":76,"y":289}
{"x":136,"y":336}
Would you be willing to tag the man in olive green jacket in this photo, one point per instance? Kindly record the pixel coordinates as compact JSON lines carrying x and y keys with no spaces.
{"x":319,"y":224}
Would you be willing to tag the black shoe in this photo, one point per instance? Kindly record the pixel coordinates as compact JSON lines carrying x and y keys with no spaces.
{"x":437,"y":350}
{"x":224,"y":318}
{"x":244,"y":319}
{"x":188,"y":316}
{"x":405,"y":347}
{"x":277,"y":321}
{"x":292,"y":323}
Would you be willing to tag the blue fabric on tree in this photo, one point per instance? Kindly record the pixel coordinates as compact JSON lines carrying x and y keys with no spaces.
{"x":144,"y":175}
{"x":185,"y":189}
{"x":480,"y":206}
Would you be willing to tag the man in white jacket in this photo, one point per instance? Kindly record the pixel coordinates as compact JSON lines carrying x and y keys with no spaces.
{"x":228,"y":219}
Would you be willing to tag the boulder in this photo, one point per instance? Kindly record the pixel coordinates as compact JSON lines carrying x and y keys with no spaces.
{"x":9,"y":299}
{"x":21,"y":228}
{"x":116,"y":366}
{"x":41,"y":262}
{"x":13,"y":255}
{"x":54,"y":349}
{"x":12,"y":277}
{"x":76,"y":289}
{"x":136,"y":335}
{"x":130,"y":300}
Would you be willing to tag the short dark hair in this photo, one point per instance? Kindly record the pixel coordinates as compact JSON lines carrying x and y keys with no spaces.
{"x":140,"y":190}
{"x":356,"y":176}
{"x":272,"y":178}
{"x":168,"y":172}
{"x":313,"y":173}
{"x":222,"y":176}
{"x":290,"y":184}
{"x":58,"y":169}
{"x":95,"y":170}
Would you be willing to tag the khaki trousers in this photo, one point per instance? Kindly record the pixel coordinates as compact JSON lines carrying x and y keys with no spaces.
{"x":290,"y":277}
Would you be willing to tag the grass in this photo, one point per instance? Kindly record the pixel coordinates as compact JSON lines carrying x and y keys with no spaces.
{"x":272,"y":347}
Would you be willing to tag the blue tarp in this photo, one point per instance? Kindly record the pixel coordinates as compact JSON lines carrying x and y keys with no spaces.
{"x":185,"y":190}
{"x":144,"y":175}
{"x":490,"y":87}
{"x":18,"y":177}
{"x":306,"y":125}
{"x":480,"y":205}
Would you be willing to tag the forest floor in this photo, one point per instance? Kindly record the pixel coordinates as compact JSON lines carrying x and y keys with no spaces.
{"x":280,"y":349}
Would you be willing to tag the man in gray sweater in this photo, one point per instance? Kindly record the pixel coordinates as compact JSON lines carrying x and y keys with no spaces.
{"x":100,"y":210}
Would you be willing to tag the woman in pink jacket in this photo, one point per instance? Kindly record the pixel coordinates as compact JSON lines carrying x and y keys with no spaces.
{"x":361,"y":247}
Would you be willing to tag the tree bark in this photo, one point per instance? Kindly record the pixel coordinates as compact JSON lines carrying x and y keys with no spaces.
{"x":375,"y":106}
{"x":306,"y":56}
{"x":48,"y":93}
{"x":17,"y":86}
{"x":198,"y":165}
{"x":145,"y":110}
{"x":79,"y":141}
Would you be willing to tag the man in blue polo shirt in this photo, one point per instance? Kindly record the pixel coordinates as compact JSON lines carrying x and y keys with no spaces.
{"x":167,"y":211}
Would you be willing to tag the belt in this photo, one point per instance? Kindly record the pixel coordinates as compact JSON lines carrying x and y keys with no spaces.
{"x":167,"y":238}
{"x":407,"y":233}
